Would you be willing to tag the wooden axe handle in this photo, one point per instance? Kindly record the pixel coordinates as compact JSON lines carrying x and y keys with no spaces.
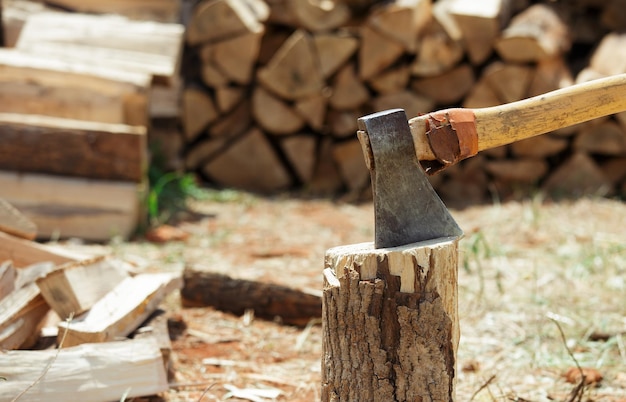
{"x":450,"y":135}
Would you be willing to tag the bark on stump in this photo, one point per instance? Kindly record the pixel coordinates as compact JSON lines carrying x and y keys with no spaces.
{"x":390,"y":324}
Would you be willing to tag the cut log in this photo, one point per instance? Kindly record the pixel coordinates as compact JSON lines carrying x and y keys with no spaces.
{"x":412,"y":103}
{"x":268,"y":300}
{"x":300,"y":152}
{"x":234,"y":123}
{"x":202,"y":152}
{"x":606,"y":138}
{"x":145,"y":47}
{"x":550,"y":75}
{"x":390,"y":327}
{"x":402,"y":20}
{"x":610,"y":56}
{"x":318,"y":16}
{"x":8,"y":274}
{"x":24,"y":252}
{"x":348,"y":156}
{"x":334,"y":50}
{"x":326,"y":180}
{"x":519,"y":170}
{"x":480,"y":23}
{"x":377,"y":52}
{"x":43,"y":144}
{"x":13,"y":222}
{"x":293,"y":72}
{"x":541,"y":146}
{"x":89,"y":373}
{"x":235,"y":57}
{"x":577,"y":176}
{"x":217,"y":20}
{"x":447,"y":88}
{"x":343,"y":123}
{"x":75,"y":287}
{"x":391,"y":80}
{"x":70,"y":207}
{"x":21,"y":313}
{"x":274,"y":115}
{"x":313,"y":110}
{"x":481,"y":95}
{"x":535,"y":34}
{"x":212,"y":76}
{"x":120,"y":311}
{"x":198,"y":111}
{"x":228,"y":97}
{"x":251,"y":164}
{"x":510,"y":82}
{"x":348,"y":91}
{"x":149,"y":10}
{"x":438,"y":53}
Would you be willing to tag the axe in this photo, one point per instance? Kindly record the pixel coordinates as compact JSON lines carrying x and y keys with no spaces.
{"x":406,"y":207}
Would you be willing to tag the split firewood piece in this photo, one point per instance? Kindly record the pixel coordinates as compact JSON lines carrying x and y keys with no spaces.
{"x":577,"y":176}
{"x":68,"y":147}
{"x":88,"y":373}
{"x":537,"y":33}
{"x":447,"y":88}
{"x":313,"y":110}
{"x":518,"y":170}
{"x":155,"y":327}
{"x":8,"y":275}
{"x":412,"y":103}
{"x":343,"y":123}
{"x":300,"y":152}
{"x":73,"y":90}
{"x":74,"y":288}
{"x":614,"y":170}
{"x":236,"y":295}
{"x":251,"y":164}
{"x":541,"y":146}
{"x":606,"y":138}
{"x":392,"y":80}
{"x":273,"y":114}
{"x":293,"y":72}
{"x":217,"y":20}
{"x":439,"y":52}
{"x":14,"y":16}
{"x":212,"y":76}
{"x":352,"y":168}
{"x":481,"y":24}
{"x":228,"y":97}
{"x":21,"y":313}
{"x":13,"y":222}
{"x":202,"y":152}
{"x":510,"y":82}
{"x":481,"y":95}
{"x":326,"y":179}
{"x":148,"y":10}
{"x":318,"y":16}
{"x":348,"y":91}
{"x":333,"y":50}
{"x":198,"y":111}
{"x":550,"y":75}
{"x":377,"y":52}
{"x":121,"y":310}
{"x":402,"y":20}
{"x":234,"y":57}
{"x":74,"y":207}
{"x":234,"y":123}
{"x":24,"y":252}
{"x":610,"y":56}
{"x":402,"y":299}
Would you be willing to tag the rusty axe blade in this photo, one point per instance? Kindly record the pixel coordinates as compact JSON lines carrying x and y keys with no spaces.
{"x":406,"y":207}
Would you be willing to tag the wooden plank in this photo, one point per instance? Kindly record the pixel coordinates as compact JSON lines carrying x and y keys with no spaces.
{"x":24,"y":252}
{"x":73,"y":90}
{"x":145,"y":47}
{"x":75,"y":287}
{"x":77,"y":148}
{"x":120,"y":311}
{"x":12,"y":221}
{"x":70,"y":207}
{"x":89,"y":373}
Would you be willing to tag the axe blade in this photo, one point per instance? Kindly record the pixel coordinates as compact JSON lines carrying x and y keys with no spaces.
{"x":406,"y":207}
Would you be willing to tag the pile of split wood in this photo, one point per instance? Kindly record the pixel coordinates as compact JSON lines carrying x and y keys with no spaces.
{"x":275,"y":88}
{"x":79,"y":96}
{"x":89,"y":308}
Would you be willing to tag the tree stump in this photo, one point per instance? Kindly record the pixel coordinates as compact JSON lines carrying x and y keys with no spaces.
{"x":390,"y":323}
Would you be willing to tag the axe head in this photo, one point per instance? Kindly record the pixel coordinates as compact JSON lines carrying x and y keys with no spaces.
{"x":407,"y":209}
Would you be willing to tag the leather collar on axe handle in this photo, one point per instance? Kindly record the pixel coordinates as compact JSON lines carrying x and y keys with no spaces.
{"x":445,"y":137}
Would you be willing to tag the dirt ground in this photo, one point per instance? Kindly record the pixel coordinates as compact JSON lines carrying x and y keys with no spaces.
{"x":528,"y":270}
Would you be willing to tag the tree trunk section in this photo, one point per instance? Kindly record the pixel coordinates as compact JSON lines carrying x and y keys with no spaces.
{"x":390,"y":324}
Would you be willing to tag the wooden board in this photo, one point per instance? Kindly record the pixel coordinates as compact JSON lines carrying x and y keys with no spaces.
{"x":145,"y":47}
{"x":86,"y":373}
{"x":121,"y":310}
{"x":68,"y":147}
{"x":70,"y":207}
{"x":73,"y":90}
{"x":75,"y":287}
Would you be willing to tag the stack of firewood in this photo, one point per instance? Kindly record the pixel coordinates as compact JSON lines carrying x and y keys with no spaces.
{"x":274,"y":89}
